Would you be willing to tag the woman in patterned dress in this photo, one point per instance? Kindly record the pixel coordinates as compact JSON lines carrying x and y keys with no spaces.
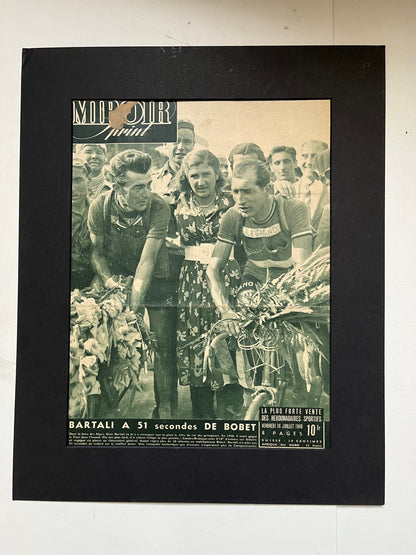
{"x":201,"y":204}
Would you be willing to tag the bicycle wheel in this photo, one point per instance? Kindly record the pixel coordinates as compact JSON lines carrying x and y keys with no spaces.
{"x":261,"y":400}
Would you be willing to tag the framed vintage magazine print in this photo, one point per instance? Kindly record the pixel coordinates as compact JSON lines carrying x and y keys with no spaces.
{"x":200,"y":287}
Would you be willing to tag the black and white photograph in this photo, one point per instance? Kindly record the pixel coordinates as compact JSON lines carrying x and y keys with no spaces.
{"x":200,"y":274}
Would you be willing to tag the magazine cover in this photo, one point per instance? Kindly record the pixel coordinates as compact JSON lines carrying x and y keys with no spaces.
{"x":200,"y":274}
{"x":200,"y":309}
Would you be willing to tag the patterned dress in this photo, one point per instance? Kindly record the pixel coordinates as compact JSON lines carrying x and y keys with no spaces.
{"x":196,"y":309}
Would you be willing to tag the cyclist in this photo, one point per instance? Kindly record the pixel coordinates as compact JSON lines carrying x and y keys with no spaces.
{"x":275,"y":233}
{"x":128,"y":227}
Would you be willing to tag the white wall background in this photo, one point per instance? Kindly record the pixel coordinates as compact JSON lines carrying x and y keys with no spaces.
{"x":150,"y":528}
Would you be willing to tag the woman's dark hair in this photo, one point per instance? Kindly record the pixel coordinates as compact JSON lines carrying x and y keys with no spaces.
{"x":196,"y":158}
{"x":244,"y":149}
{"x":128,"y":160}
{"x":260,"y":170}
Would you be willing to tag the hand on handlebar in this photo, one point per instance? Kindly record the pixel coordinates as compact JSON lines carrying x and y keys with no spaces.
{"x":231,"y":324}
{"x":110,"y":283}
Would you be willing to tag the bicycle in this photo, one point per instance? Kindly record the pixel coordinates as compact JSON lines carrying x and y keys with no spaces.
{"x":267,"y":373}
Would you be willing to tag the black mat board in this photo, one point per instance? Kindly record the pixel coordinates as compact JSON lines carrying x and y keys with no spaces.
{"x":351,"y":471}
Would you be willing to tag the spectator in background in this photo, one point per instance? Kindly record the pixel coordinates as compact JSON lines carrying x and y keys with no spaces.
{"x":95,"y":155}
{"x":224,"y":172}
{"x":321,"y":167}
{"x":164,"y":182}
{"x":245,"y":151}
{"x":312,"y":192}
{"x":308,"y":151}
{"x":282,"y":162}
{"x":82,"y":272}
{"x":201,"y":205}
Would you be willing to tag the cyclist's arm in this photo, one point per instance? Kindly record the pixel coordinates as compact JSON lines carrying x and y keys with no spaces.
{"x":158,"y":228}
{"x":96,"y":228}
{"x":301,"y":249}
{"x":98,"y":259}
{"x":144,"y":271}
{"x":220,"y":257}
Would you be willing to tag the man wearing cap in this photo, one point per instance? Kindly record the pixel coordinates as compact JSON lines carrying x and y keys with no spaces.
{"x":82,"y":271}
{"x":95,"y":155}
{"x":128,"y":227}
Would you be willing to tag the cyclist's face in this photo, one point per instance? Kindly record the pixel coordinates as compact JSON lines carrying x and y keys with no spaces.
{"x":250,"y":199}
{"x":135,"y":193}
{"x":202,"y":179}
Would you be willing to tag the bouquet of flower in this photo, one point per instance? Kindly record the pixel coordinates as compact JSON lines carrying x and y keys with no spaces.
{"x":280,"y":315}
{"x":283,"y":313}
{"x":284,"y":310}
{"x":104,"y":330}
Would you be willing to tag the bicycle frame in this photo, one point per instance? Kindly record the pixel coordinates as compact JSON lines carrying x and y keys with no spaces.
{"x":271,"y":390}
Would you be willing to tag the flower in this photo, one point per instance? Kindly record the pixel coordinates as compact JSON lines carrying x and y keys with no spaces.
{"x":194,"y":331}
{"x":181,"y":335}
